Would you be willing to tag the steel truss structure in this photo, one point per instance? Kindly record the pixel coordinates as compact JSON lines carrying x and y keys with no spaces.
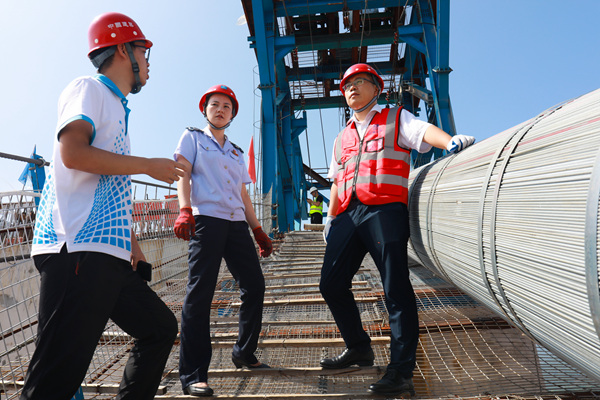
{"x":304,"y":47}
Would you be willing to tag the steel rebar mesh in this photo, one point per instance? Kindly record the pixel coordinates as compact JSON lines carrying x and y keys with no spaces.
{"x":19,"y":287}
{"x":464,"y":349}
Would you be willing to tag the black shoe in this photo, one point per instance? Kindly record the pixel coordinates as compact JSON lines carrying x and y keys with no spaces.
{"x":350,"y":357}
{"x":239,"y":363}
{"x":393,"y":384}
{"x":198,"y":391}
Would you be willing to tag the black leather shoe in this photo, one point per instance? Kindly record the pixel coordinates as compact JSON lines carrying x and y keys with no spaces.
{"x":198,"y":391}
{"x":393,"y":384}
{"x":239,"y":363}
{"x":350,"y":357}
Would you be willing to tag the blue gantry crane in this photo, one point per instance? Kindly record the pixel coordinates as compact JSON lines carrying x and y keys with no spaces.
{"x":303,"y":47}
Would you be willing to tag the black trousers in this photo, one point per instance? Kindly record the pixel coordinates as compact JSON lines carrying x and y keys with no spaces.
{"x":79,"y":293}
{"x":316,"y":218}
{"x":216,"y":239}
{"x":383,"y":232}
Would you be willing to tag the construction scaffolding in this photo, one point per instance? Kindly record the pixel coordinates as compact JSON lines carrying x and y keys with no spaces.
{"x":464,"y":349}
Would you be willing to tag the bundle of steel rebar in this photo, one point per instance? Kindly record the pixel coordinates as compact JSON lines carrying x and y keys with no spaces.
{"x":513,"y":221}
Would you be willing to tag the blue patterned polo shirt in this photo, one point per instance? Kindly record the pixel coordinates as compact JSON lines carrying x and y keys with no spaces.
{"x":88,"y":212}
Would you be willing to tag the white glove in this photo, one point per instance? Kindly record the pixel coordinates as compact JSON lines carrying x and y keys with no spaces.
{"x":327,"y":227}
{"x":459,"y":142}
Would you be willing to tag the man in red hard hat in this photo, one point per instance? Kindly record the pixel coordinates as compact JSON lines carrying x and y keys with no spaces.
{"x":368,"y":214}
{"x":84,"y":246}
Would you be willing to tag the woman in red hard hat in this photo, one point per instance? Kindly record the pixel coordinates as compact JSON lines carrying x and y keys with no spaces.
{"x":88,"y":271}
{"x":215,"y":214}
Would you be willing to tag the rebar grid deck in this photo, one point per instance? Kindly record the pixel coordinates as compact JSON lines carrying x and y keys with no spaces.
{"x":464,"y":350}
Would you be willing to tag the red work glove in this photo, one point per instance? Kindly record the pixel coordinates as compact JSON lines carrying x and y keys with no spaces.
{"x":264,"y":243}
{"x":185,"y":224}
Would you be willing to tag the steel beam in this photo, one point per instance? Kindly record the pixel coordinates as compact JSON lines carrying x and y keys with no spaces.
{"x":265,"y":50}
{"x":278,"y":28}
{"x":303,"y":7}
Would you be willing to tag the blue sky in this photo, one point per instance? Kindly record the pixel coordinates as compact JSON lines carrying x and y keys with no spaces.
{"x":511,"y":60}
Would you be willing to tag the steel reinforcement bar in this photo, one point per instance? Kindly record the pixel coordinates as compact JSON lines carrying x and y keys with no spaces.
{"x":513,"y":222}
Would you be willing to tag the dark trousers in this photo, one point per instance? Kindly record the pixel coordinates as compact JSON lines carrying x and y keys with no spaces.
{"x":316,"y":218}
{"x":79,"y":293}
{"x":383,"y":232}
{"x":214,"y":240}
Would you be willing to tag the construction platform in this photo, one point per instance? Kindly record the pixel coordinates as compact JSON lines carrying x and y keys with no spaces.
{"x":464,"y":351}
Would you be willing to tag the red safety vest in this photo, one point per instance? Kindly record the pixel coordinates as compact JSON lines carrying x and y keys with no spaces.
{"x":383,"y":166}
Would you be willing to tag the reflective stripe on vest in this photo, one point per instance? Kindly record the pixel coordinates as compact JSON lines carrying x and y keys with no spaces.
{"x":316,"y":209}
{"x":383,"y":166}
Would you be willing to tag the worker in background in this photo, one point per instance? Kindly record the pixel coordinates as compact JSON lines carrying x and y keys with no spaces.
{"x":215,"y":214}
{"x":316,"y":206}
{"x":368,"y":214}
{"x":84,"y":246}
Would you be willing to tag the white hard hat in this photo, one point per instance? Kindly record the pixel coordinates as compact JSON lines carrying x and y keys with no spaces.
{"x":312,"y":189}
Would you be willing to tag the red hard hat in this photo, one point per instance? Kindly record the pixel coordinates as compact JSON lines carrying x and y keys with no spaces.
{"x":226,"y":90}
{"x":110,"y":29}
{"x":357,"y":69}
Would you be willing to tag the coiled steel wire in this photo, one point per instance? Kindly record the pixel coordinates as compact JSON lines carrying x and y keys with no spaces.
{"x":513,"y":222}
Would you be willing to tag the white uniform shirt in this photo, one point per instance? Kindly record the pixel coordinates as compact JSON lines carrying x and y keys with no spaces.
{"x":411,"y":135}
{"x":218,"y":174}
{"x":88,"y":212}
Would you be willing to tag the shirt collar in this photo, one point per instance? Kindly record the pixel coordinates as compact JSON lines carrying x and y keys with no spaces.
{"x":376,"y":109}
{"x":208,"y":132}
{"x":111,"y":85}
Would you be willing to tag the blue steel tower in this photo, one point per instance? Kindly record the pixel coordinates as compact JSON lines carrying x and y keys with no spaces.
{"x":406,"y":41}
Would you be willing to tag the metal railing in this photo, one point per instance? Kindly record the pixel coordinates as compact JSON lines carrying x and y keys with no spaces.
{"x":19,"y":282}
{"x":154,"y":215}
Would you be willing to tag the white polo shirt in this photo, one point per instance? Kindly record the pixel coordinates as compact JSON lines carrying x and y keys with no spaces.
{"x":218,"y":174}
{"x":88,"y":212}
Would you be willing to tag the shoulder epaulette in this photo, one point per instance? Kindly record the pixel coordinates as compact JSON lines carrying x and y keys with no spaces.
{"x":237,"y":147}
{"x":193,"y":128}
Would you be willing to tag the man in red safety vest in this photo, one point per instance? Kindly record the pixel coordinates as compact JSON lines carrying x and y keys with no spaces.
{"x":368,"y":213}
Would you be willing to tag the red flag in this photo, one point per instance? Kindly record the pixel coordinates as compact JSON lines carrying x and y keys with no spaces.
{"x":251,"y":166}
